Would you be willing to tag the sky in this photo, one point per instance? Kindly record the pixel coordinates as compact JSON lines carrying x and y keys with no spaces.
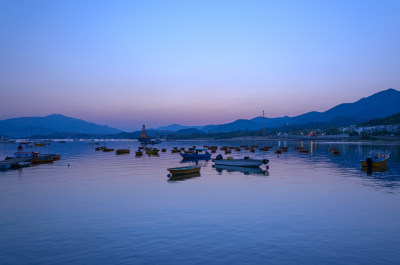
{"x":128,"y":63}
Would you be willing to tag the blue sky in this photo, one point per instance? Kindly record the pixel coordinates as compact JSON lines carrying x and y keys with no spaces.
{"x":125,"y":63}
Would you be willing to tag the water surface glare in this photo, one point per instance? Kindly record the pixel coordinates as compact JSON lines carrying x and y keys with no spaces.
{"x":99,"y":208}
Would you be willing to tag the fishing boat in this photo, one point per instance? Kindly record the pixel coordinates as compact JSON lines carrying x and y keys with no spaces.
{"x":122,"y":151}
{"x":375,"y":158}
{"x":153,"y":151}
{"x":183,"y":170}
{"x":26,"y":154}
{"x":197,"y":153}
{"x":42,"y":159}
{"x":5,"y":140}
{"x":245,"y":162}
{"x":138,"y":153}
{"x":108,"y":150}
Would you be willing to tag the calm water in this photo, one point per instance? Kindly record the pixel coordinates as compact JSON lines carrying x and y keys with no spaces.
{"x":108,"y":209}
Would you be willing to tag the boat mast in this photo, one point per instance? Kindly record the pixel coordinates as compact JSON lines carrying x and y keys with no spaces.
{"x":263,"y":123}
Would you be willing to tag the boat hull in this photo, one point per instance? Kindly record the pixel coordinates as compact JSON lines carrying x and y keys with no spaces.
{"x":375,"y":164}
{"x":194,"y":156}
{"x":183,"y":170}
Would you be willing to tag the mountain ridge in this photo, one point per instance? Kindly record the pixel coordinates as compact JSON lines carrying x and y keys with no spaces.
{"x":377,"y":105}
{"x":53,"y":123}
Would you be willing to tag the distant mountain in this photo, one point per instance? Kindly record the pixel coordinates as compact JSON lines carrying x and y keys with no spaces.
{"x":379,"y":105}
{"x":391,"y":120}
{"x":55,"y":123}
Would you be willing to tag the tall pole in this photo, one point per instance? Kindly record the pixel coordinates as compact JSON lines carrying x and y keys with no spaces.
{"x":263,"y":123}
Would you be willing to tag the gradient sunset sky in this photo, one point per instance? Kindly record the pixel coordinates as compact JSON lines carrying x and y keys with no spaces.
{"x":128,"y":63}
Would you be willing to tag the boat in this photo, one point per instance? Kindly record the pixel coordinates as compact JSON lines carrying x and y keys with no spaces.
{"x":375,"y":158}
{"x":303,"y":151}
{"x":5,"y":140}
{"x":183,"y":170}
{"x":39,"y":144}
{"x":138,"y":153}
{"x":26,"y":154}
{"x":245,"y":162}
{"x":42,"y":159}
{"x":278,"y":151}
{"x":54,"y":156}
{"x":108,"y":149}
{"x":122,"y":151}
{"x":152,"y":151}
{"x":197,"y":153}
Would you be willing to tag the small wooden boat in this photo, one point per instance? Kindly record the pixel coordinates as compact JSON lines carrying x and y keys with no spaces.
{"x":175,"y":151}
{"x":184,"y":170}
{"x":152,"y":152}
{"x":138,"y":153}
{"x":122,"y":151}
{"x":278,"y":151}
{"x":303,"y":151}
{"x":252,"y":150}
{"x":42,"y":159}
{"x":164,"y":150}
{"x":375,"y":159}
{"x":228,"y":151}
{"x":197,"y":153}
{"x":108,"y":150}
{"x":237,"y":149}
{"x":39,"y":144}
{"x":245,"y":162}
{"x":213,"y":151}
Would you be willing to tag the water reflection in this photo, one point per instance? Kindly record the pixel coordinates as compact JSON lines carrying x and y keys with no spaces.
{"x":244,"y":170}
{"x":175,"y":178}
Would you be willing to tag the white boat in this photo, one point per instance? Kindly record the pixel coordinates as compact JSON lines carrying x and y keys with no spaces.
{"x":5,"y":140}
{"x":245,"y":162}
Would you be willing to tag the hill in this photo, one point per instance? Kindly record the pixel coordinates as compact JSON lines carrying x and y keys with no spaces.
{"x":378,"y":105}
{"x":393,"y":119}
{"x":55,"y":123}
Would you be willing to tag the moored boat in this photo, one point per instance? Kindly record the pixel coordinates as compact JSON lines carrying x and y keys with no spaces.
{"x":375,"y":159}
{"x":183,"y":170}
{"x":197,"y":153}
{"x":122,"y":151}
{"x":108,"y":149}
{"x":42,"y":159}
{"x":245,"y":162}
